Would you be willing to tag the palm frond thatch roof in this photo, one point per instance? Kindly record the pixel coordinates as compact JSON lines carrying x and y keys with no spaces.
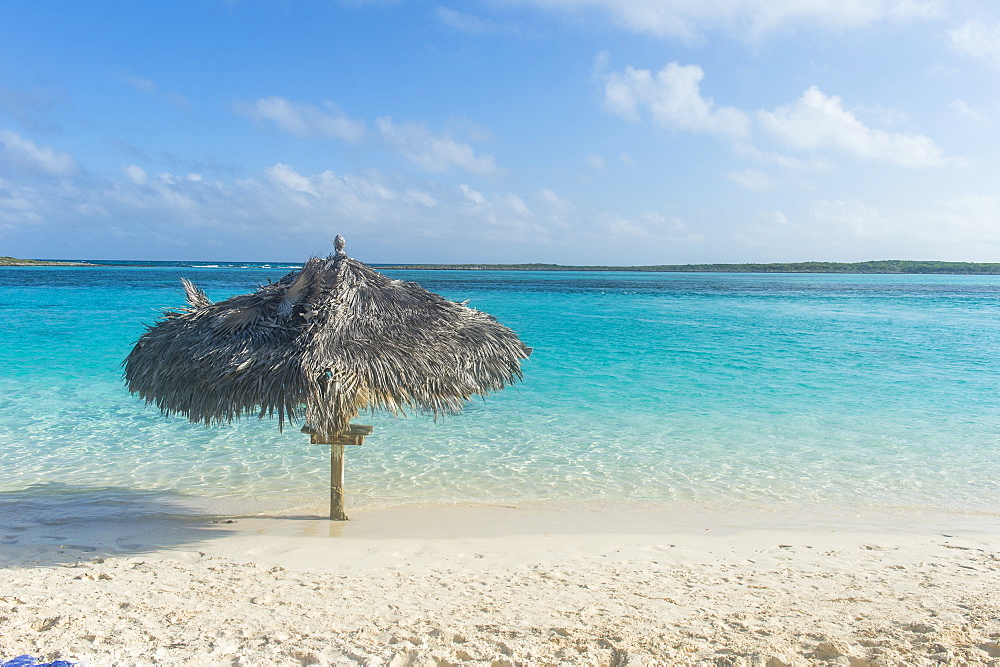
{"x":323,"y":343}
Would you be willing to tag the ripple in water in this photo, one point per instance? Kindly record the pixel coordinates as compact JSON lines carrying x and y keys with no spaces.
{"x":855,"y":390}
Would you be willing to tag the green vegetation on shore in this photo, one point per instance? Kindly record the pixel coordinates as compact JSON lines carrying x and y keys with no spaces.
{"x":13,"y":261}
{"x":881,"y":266}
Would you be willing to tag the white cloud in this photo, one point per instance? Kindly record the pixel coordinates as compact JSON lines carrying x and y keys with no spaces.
{"x":648,"y":226}
{"x":673,"y":99}
{"x":965,"y":219}
{"x":26,"y":154}
{"x":788,"y":162}
{"x":688,"y":19}
{"x":20,"y":205}
{"x":961,"y":228}
{"x":774,"y":217}
{"x":140,"y":84}
{"x":422,"y":198}
{"x":816,"y":121}
{"x":963,"y":110}
{"x":287,"y":214}
{"x":977,"y":39}
{"x":554,"y":201}
{"x":149,"y":87}
{"x":469,"y":24}
{"x":283,"y":175}
{"x":752,"y":179}
{"x":853,"y":217}
{"x":310,"y":205}
{"x":594,"y":161}
{"x":473,"y":196}
{"x":304,"y":120}
{"x":433,"y":152}
{"x":135,"y":174}
{"x":327,"y":194}
{"x":961,"y":222}
{"x":813,"y":123}
{"x":517,"y":205}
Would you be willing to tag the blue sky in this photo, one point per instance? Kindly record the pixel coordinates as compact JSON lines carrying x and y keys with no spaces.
{"x":567,"y":131}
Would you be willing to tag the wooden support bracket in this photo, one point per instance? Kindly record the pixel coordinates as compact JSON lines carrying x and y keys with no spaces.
{"x":355,"y":435}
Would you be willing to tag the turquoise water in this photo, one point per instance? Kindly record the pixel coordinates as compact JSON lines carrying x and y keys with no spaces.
{"x":719,"y":389}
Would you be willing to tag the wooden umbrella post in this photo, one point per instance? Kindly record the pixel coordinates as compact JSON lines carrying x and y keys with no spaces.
{"x":355,"y":435}
{"x":337,"y":483}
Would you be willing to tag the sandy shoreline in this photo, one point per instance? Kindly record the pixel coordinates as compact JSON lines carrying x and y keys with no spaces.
{"x":506,"y":586}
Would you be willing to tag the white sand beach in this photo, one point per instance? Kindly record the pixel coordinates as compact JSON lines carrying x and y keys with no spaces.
{"x":507,"y":586}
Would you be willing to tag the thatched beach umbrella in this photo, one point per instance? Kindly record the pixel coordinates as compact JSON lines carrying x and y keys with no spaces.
{"x":322,"y":344}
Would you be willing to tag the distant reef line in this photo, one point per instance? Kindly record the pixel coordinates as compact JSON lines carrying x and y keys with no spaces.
{"x":14,"y":261}
{"x":889,"y":266}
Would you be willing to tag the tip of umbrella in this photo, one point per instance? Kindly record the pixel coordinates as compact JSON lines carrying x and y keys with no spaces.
{"x":338,"y":244}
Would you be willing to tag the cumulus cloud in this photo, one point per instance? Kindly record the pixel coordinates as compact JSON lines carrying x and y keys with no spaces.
{"x":954,"y":222}
{"x":554,"y":201}
{"x":963,"y":110}
{"x":140,"y":84}
{"x":689,"y":19}
{"x":470,"y":24}
{"x":471,"y":195}
{"x":336,"y":196}
{"x":135,"y":173}
{"x":977,"y":39}
{"x":434,"y":152}
{"x":420,"y":197}
{"x":24,"y":153}
{"x":19,"y":205}
{"x":399,"y":212}
{"x":648,"y":226}
{"x":517,"y":205}
{"x":672,"y":98}
{"x":184,"y":215}
{"x":285,"y":176}
{"x":964,"y":228}
{"x":752,"y":179}
{"x":853,"y":217}
{"x":304,"y":120}
{"x":149,"y":87}
{"x":788,"y":162}
{"x":817,"y":121}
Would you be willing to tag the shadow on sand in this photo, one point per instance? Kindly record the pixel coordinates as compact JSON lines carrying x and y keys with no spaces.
{"x":53,"y":524}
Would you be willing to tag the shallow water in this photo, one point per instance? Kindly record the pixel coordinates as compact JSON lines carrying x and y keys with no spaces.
{"x":861,"y":391}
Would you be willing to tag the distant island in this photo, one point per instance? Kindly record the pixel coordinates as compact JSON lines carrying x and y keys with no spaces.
{"x":13,"y":261}
{"x":880,"y":266}
{"x":885,"y":266}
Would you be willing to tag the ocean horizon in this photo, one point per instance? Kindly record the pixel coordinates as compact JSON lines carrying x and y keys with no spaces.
{"x":868,"y":267}
{"x":861,"y":392}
